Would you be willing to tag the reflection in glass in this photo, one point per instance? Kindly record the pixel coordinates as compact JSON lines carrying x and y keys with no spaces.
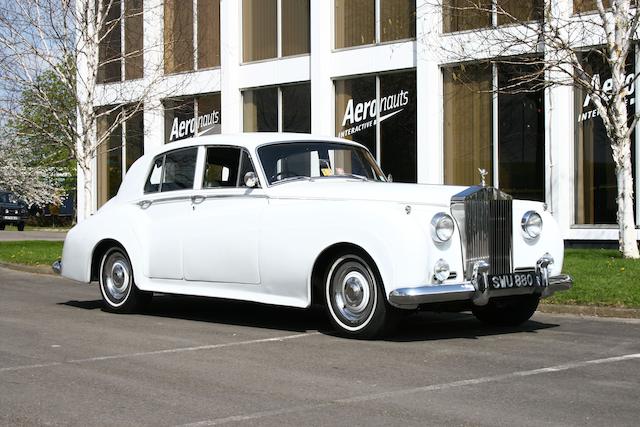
{"x":260,"y":110}
{"x":178,"y":36}
{"x":468,"y":132}
{"x":134,"y":138}
{"x":109,"y":156}
{"x":354,"y":23}
{"x":259,"y":29}
{"x":463,"y":15}
{"x":397,"y":19}
{"x":296,"y":108}
{"x":110,"y":47}
{"x":513,"y":11}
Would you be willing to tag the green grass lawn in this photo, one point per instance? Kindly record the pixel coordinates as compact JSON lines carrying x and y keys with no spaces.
{"x":30,"y":252}
{"x":601,"y":276}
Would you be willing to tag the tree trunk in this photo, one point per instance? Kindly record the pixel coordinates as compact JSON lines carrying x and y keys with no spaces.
{"x":626,"y":221}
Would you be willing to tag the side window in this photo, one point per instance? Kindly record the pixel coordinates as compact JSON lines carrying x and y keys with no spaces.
{"x":221,"y":169}
{"x":155,"y":176}
{"x":179,"y":170}
{"x":245,"y":166}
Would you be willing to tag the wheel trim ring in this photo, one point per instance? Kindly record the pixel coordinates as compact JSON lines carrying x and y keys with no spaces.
{"x":373,"y":300}
{"x":106,"y":295}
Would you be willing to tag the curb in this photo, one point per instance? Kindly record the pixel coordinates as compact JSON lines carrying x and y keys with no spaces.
{"x":37,"y":269}
{"x":590,"y":310}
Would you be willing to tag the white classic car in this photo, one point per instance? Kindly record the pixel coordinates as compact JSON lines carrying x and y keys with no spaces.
{"x":294,"y":220}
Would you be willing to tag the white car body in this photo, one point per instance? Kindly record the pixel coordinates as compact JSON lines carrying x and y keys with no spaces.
{"x":261,"y":244}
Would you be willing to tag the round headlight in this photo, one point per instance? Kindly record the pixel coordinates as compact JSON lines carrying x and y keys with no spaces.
{"x":531,"y":224}
{"x":441,"y":227}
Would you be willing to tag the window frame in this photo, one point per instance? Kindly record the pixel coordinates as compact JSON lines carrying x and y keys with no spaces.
{"x":377,"y":29}
{"x":239,"y":179}
{"x":164,"y":161}
{"x":279,"y":105}
{"x":278,"y":36}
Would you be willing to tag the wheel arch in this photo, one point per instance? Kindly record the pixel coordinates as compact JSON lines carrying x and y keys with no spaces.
{"x":98,"y":252}
{"x":330,"y":253}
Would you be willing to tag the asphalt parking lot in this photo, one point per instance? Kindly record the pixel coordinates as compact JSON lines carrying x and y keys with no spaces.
{"x":191,"y":361}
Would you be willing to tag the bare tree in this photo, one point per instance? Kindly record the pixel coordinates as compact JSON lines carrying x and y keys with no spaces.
{"x":552,"y":41}
{"x":82,"y":42}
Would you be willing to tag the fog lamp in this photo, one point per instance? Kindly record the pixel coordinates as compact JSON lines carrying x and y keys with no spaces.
{"x":441,"y":270}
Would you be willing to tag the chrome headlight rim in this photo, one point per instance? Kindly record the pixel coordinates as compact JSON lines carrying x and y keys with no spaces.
{"x":442,"y":227}
{"x":531,"y":225}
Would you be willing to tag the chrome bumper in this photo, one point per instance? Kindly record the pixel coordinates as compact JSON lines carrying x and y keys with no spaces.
{"x":412,"y":297}
{"x":57,"y":267}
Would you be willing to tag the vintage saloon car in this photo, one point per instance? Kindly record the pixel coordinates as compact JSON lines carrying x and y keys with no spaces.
{"x":293,"y":219}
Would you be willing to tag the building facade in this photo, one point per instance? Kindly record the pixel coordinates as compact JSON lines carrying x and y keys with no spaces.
{"x":367,"y":70}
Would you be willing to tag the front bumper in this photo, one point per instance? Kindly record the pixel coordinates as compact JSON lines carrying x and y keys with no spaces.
{"x":412,"y":297}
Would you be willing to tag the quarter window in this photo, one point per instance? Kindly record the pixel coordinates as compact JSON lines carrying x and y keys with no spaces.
{"x":226,"y":167}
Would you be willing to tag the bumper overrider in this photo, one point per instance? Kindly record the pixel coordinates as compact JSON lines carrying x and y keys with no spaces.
{"x":478,"y":291}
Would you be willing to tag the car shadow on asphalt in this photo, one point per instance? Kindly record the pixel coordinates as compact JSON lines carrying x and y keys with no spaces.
{"x":419,"y":326}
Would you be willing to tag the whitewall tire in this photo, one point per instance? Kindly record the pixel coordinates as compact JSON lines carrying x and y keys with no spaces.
{"x":119,"y":291}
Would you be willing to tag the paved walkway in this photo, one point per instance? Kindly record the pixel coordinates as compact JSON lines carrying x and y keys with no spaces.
{"x":12,"y":235}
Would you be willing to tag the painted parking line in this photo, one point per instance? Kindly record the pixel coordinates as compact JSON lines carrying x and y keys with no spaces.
{"x":427,"y":388}
{"x":159,"y":352}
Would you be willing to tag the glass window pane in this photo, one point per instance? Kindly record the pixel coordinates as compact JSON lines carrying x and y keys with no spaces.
{"x":208,"y":33}
{"x":246,"y":166}
{"x":109,"y":155}
{"x":462,"y":15}
{"x":588,"y":5}
{"x":467,"y":124}
{"x":397,"y":19}
{"x":596,"y":185}
{"x":178,"y":36}
{"x":356,"y":110}
{"x":259,"y":29}
{"x":521,"y":134}
{"x":179,"y":170}
{"x":155,"y":176}
{"x":295,"y":27}
{"x":261,"y":110}
{"x":296,"y":108}
{"x":512,"y":11}
{"x":133,"y":31}
{"x":209,"y":116}
{"x":109,"y":50}
{"x":221,"y":169}
{"x":179,"y":121}
{"x":398,"y":142}
{"x":134,"y":137}
{"x":355,"y":22}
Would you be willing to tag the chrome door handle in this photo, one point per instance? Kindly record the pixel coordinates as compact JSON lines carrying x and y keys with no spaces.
{"x":145,"y":204}
{"x":196,"y":200}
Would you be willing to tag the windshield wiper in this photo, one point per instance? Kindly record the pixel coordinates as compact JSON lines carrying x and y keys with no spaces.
{"x":354,"y":176}
{"x":293,"y":178}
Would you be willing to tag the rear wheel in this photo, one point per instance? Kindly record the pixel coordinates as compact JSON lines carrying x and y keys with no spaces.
{"x":355,"y":300}
{"x":510,"y":311}
{"x":119,"y":291}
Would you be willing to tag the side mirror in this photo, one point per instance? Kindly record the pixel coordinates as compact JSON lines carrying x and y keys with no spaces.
{"x":389,"y":178}
{"x":251,"y":180}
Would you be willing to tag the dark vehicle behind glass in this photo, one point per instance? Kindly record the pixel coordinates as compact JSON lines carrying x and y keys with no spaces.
{"x":12,"y":211}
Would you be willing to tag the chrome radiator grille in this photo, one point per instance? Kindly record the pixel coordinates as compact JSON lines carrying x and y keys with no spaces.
{"x":484,"y":217}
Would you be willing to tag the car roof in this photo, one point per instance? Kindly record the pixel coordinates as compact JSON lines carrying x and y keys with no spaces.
{"x":250,"y":140}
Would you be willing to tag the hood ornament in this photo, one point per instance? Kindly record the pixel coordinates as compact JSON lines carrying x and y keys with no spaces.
{"x":483,"y":174}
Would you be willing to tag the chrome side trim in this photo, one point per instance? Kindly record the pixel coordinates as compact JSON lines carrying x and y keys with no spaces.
{"x":57,"y":267}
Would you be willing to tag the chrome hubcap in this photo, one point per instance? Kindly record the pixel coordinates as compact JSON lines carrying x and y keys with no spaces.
{"x":352,"y":296}
{"x":116,"y":277}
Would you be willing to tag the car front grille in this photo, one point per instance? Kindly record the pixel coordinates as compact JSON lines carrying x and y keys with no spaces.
{"x":485,"y":220}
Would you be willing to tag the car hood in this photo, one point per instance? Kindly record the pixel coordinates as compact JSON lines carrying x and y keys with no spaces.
{"x":348,"y":189}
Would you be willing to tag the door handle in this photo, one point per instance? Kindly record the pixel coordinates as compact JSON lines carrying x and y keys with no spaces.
{"x":145,"y":204}
{"x":196,"y":200}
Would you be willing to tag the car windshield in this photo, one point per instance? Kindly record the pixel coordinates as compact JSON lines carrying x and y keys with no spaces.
{"x":7,"y":198}
{"x":310,"y":160}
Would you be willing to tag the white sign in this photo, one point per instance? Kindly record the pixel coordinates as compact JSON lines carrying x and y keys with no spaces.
{"x":361,"y":116}
{"x":183,"y":128}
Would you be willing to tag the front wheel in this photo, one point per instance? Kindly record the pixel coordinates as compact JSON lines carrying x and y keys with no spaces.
{"x":21,"y":226}
{"x":509,"y":311}
{"x":1,"y":226}
{"x":119,"y":292}
{"x":355,"y":300}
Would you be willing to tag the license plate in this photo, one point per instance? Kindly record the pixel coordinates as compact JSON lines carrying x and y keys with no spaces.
{"x":11,"y":218}
{"x":526,"y":279}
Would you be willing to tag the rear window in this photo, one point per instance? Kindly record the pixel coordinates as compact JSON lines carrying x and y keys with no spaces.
{"x":172,"y":171}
